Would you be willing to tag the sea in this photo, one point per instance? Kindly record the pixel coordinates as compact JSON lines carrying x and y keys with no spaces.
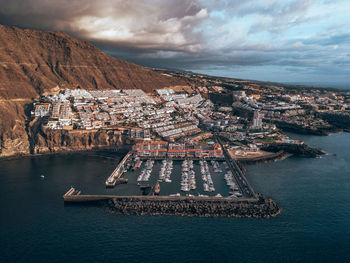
{"x":314,"y":226}
{"x":335,"y":85}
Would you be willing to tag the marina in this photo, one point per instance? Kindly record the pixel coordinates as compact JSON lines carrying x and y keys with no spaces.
{"x":137,"y":175}
{"x":165,"y":171}
{"x":180,"y":178}
{"x":146,"y":172}
{"x":208,"y":184}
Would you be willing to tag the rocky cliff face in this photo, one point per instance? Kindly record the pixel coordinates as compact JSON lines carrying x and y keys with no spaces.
{"x":39,"y":140}
{"x":51,"y":141}
{"x":43,"y":140}
{"x":33,"y":63}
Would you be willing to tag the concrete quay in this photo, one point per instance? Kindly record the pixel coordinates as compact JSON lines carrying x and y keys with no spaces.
{"x":114,"y":178}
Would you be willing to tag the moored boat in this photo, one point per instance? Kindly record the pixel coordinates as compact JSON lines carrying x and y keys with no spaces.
{"x":157,"y":189}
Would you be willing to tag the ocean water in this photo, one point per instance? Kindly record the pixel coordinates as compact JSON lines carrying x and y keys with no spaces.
{"x":36,"y":226}
{"x":335,"y":85}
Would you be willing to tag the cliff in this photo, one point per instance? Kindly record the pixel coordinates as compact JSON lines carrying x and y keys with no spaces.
{"x":45,"y":141}
{"x":53,"y":141}
{"x":33,"y":63}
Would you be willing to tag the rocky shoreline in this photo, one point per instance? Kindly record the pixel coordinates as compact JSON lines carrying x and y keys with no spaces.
{"x":302,"y":150}
{"x":262,"y":207}
{"x":90,"y":152}
{"x":41,"y":141}
{"x":337,"y":119}
{"x":292,"y":127}
{"x":273,"y":157}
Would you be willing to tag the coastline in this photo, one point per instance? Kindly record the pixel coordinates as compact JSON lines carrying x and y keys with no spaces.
{"x":302,"y":187}
{"x":320,"y":131}
{"x":272,"y":157}
{"x":261,"y":207}
{"x":123,"y":149}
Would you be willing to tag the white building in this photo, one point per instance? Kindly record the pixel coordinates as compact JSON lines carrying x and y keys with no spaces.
{"x":257,"y":120}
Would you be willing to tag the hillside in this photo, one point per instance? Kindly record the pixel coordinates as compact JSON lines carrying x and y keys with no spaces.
{"x":34,"y":62}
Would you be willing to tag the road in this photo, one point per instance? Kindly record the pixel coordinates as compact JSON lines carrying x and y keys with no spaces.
{"x":243,"y":184}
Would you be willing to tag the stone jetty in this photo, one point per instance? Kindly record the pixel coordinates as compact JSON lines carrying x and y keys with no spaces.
{"x":261,"y":207}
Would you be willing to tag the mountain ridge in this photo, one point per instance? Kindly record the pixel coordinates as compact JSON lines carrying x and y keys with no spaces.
{"x":34,"y":62}
{"x":39,"y":60}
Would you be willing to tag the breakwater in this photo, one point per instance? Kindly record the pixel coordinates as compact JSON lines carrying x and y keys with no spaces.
{"x":260,"y":207}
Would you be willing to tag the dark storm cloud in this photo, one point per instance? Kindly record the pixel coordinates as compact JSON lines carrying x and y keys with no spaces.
{"x":147,"y":24}
{"x":199,"y":34}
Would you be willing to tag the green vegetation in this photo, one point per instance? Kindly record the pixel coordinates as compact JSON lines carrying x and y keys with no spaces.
{"x":267,"y":140}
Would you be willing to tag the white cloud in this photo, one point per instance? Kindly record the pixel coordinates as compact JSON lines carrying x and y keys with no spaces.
{"x":147,"y":28}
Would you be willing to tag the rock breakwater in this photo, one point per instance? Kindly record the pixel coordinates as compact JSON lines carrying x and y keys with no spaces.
{"x":262,"y":207}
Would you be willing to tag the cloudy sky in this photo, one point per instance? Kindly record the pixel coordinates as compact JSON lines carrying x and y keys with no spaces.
{"x":288,"y":41}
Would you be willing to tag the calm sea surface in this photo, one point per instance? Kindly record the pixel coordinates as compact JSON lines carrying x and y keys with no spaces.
{"x":35,"y":225}
{"x":336,"y":85}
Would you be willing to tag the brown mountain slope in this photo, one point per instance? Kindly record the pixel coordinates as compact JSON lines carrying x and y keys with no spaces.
{"x":33,"y":62}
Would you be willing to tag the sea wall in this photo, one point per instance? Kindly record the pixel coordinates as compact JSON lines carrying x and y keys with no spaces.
{"x":262,"y":207}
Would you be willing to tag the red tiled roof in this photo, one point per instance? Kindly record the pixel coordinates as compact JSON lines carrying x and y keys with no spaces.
{"x":176,"y":151}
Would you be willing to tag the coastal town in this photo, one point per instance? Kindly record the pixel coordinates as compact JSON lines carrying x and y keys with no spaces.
{"x":247,"y":116}
{"x":215,"y":126}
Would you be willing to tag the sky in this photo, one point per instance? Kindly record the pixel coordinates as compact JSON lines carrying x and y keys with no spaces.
{"x":274,"y":40}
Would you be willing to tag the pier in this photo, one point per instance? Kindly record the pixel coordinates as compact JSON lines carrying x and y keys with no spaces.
{"x":246,"y":190}
{"x":71,"y":192}
{"x":77,"y":198}
{"x":114,"y":178}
